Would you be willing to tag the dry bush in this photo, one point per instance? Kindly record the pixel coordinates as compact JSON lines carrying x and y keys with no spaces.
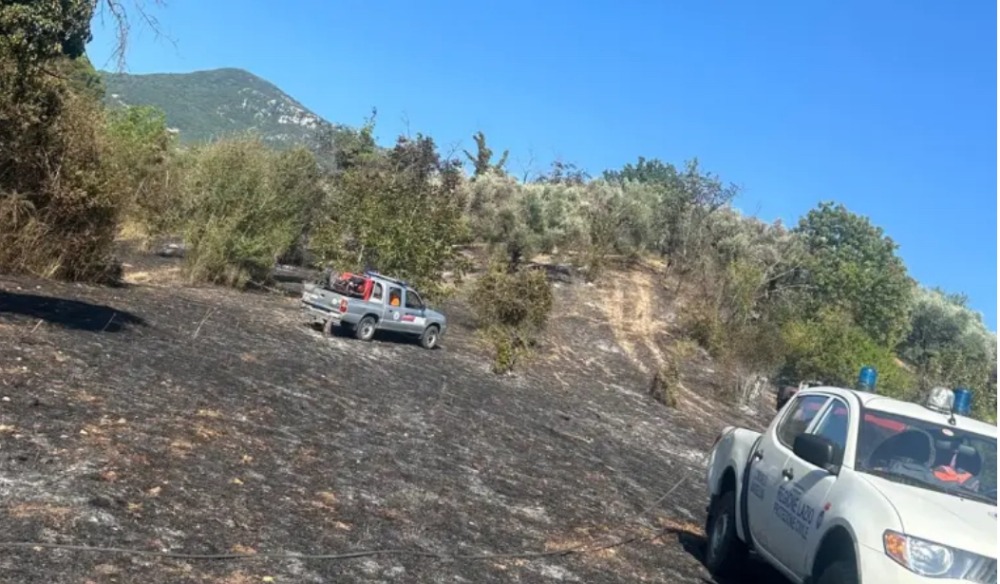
{"x":58,"y":201}
{"x":512,"y":308}
{"x":245,"y":207}
{"x":704,"y":326}
{"x":666,"y":383}
{"x":143,"y":158}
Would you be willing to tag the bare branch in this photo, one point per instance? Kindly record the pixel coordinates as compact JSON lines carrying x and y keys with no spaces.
{"x":120,"y":11}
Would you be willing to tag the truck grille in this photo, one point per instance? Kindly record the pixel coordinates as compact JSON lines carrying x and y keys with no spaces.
{"x":982,"y":571}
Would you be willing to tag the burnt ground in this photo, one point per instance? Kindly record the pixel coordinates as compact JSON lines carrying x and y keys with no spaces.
{"x":171,"y":418}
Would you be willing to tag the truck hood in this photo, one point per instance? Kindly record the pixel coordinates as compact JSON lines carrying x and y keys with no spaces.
{"x":947,"y":519}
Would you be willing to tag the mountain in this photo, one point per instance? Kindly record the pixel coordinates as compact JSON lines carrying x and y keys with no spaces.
{"x":203,"y":105}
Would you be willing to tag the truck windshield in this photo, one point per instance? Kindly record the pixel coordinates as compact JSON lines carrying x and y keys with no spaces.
{"x":927,"y":455}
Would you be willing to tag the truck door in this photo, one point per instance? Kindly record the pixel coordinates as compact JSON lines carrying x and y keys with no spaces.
{"x":767,"y":463}
{"x":802,"y":495}
{"x":392,"y":320}
{"x":413,"y":320}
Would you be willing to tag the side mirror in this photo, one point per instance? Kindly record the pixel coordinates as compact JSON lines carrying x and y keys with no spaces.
{"x":819,"y":451}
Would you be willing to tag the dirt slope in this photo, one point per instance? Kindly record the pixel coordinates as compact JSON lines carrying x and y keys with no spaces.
{"x":202,"y":420}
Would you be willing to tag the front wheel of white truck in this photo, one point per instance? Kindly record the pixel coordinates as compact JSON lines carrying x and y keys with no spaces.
{"x":724,"y":552}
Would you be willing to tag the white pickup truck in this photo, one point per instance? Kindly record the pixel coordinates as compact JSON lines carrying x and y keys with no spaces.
{"x":850,"y":486}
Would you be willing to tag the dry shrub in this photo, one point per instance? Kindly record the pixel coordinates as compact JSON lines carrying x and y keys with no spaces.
{"x":512,"y":308}
{"x":666,"y":383}
{"x":143,"y":158}
{"x":245,"y":206}
{"x":704,"y":326}
{"x":58,"y":202}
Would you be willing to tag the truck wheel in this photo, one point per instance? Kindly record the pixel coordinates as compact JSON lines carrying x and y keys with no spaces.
{"x":328,"y":327}
{"x":725,"y":552}
{"x":839,"y":572}
{"x":365,"y":330}
{"x":429,"y":339}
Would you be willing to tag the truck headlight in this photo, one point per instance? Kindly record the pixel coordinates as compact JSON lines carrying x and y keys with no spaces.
{"x":926,"y":558}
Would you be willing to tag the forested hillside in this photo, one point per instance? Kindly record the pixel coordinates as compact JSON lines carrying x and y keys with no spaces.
{"x":206,"y":105}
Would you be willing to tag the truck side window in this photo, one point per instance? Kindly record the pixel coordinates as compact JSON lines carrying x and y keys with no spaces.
{"x":395,"y":296}
{"x":798,"y":417}
{"x":413,"y":300}
{"x":377,"y":292}
{"x":834,"y":426}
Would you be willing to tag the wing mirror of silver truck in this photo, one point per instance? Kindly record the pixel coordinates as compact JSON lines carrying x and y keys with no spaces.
{"x":819,"y":451}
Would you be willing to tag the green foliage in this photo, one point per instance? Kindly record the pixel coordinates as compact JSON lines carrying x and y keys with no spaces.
{"x":512,"y":308}
{"x":482,"y":161}
{"x":245,"y":206}
{"x":644,"y":172}
{"x":81,"y":77}
{"x":220,"y":103}
{"x":703,"y":325}
{"x":141,"y":155}
{"x":400,"y":214}
{"x":34,"y":32}
{"x":564,"y":173}
{"x":58,"y":201}
{"x":832,"y":348}
{"x":853,"y":266}
{"x":949,"y":345}
{"x":340,"y":149}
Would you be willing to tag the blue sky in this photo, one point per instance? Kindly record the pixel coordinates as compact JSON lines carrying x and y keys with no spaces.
{"x":888,"y":107}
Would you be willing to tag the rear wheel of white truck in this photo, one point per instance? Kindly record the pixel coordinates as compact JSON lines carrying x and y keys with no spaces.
{"x":724,"y":553}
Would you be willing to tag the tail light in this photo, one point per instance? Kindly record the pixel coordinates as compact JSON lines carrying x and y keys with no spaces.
{"x":343,"y":305}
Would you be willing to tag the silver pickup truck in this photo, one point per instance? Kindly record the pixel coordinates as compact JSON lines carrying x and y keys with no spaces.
{"x":365,"y":303}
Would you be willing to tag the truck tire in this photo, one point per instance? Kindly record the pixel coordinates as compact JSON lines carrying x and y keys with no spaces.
{"x":365,"y":329}
{"x":429,"y":339}
{"x":839,"y":572}
{"x":724,"y":552}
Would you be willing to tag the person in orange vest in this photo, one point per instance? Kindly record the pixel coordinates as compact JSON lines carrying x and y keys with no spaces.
{"x":961,"y":468}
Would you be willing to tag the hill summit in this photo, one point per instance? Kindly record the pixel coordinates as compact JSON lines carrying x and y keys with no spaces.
{"x":203,"y":105}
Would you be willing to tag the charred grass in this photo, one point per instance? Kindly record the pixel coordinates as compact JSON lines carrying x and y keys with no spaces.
{"x":212,"y":421}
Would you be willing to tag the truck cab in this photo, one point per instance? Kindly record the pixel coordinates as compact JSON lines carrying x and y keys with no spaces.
{"x":851,"y":486}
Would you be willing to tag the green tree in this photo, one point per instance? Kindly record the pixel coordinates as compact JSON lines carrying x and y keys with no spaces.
{"x":482,"y":161}
{"x":339,"y":149}
{"x":852,"y":266}
{"x":513,"y":308}
{"x":58,"y":202}
{"x":830,"y":347}
{"x":140,"y":153}
{"x":948,"y":342}
{"x":564,"y":173}
{"x":33,"y":32}
{"x":245,"y":206}
{"x":644,"y":171}
{"x":400,"y":214}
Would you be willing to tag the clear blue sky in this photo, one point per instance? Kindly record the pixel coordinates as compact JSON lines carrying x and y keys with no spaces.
{"x":888,"y":107}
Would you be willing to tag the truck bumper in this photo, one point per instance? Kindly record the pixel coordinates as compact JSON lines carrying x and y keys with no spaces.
{"x":316,"y":315}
